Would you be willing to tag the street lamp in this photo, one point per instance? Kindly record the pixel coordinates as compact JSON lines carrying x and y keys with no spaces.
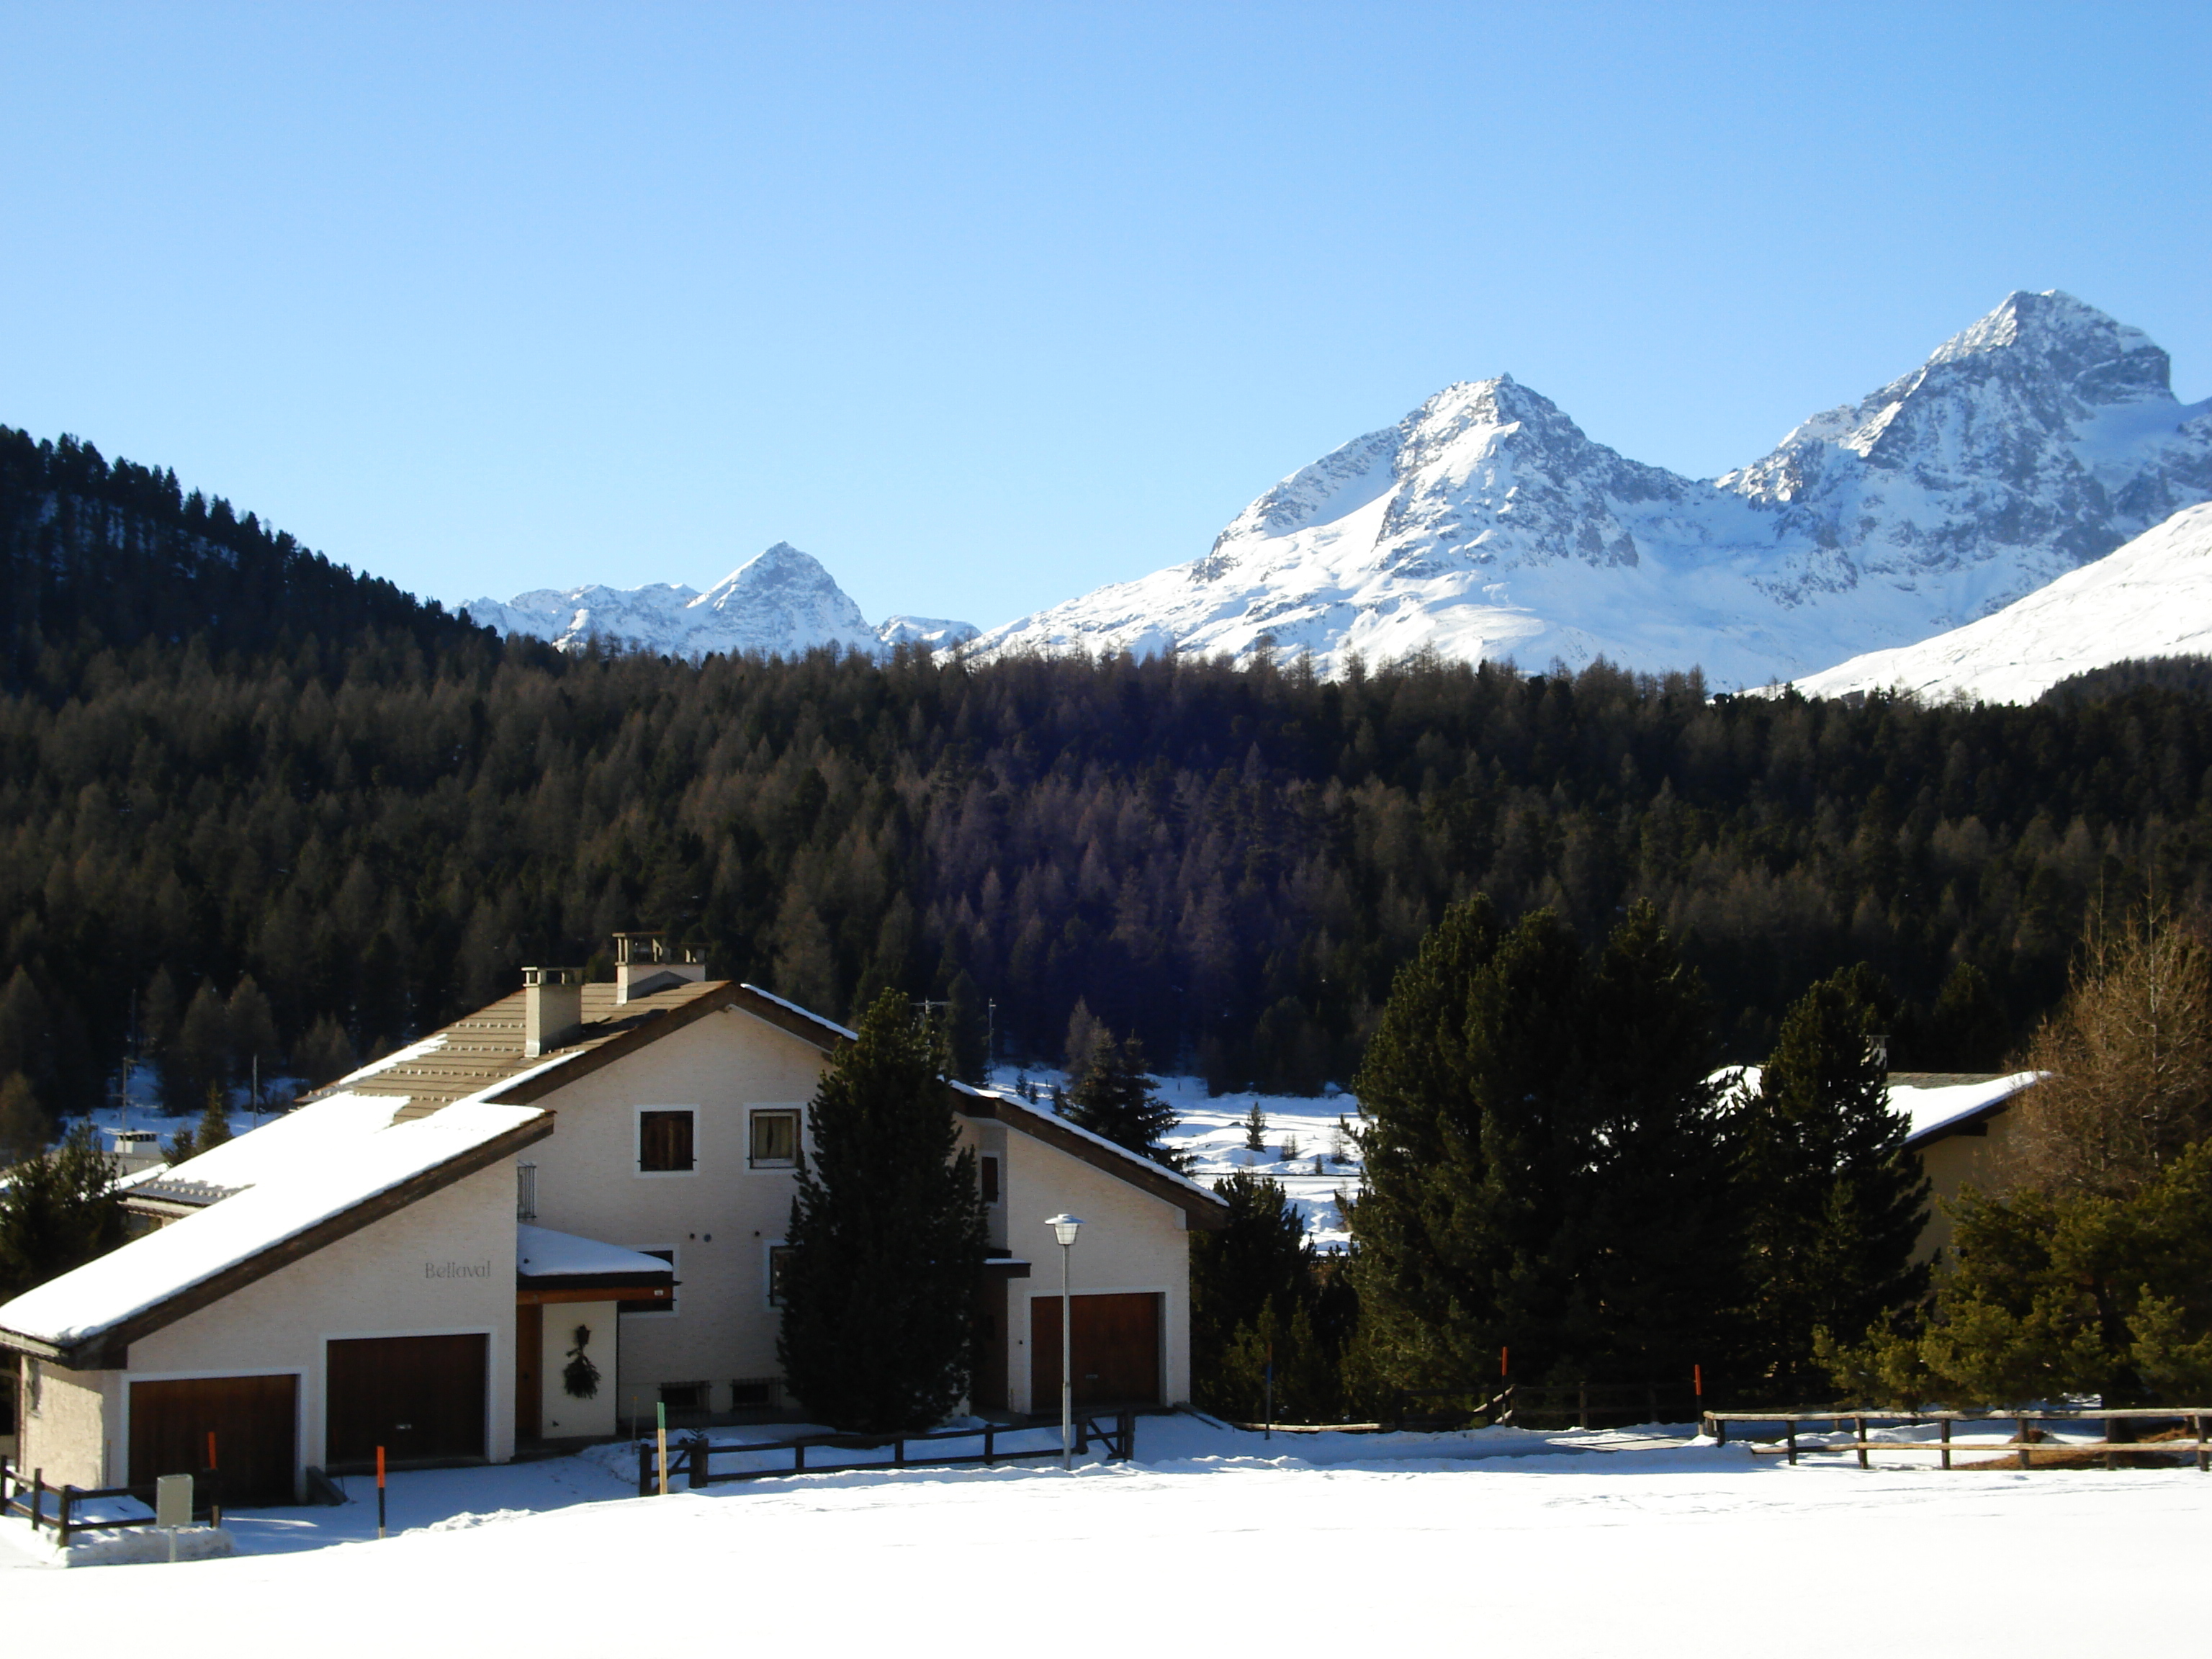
{"x":1064,"y":1228}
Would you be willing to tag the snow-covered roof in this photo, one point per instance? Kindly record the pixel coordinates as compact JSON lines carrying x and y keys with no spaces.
{"x":541,"y":1253}
{"x":1935,"y":1107}
{"x":829,"y":1026}
{"x":1932,"y":1102}
{"x":340,"y":1173}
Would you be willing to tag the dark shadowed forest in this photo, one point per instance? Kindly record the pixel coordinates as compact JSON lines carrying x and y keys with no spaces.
{"x":224,"y":759}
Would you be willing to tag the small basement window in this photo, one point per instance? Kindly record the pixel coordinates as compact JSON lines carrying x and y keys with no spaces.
{"x":664,"y":1142}
{"x":665,"y":1305}
{"x":987,"y":1174}
{"x":776,"y":1139}
{"x":751,"y":1392}
{"x":683,"y":1396}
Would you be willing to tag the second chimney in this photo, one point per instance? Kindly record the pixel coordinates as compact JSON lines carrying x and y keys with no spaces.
{"x":552,"y":1009}
{"x":644,"y":964}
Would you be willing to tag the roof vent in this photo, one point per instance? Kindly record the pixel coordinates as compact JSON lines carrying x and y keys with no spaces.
{"x":552,"y":1009}
{"x":645,"y":963}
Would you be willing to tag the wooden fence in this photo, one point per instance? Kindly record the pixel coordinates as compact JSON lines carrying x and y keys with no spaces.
{"x":1542,"y":1404}
{"x":2024,"y":1441}
{"x":64,"y":1517}
{"x":690,"y":1460}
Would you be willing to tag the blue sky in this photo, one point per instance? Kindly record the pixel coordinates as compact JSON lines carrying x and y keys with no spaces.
{"x":985,"y":305}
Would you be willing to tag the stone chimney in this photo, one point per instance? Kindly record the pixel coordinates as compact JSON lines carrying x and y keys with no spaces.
{"x":552,"y":1009}
{"x":644,"y":964}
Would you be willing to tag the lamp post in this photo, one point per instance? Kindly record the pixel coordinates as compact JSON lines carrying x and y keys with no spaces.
{"x":1064,"y":1228}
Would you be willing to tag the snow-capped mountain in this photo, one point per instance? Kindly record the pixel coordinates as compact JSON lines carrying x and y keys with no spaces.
{"x":2153,"y":598}
{"x":782,"y":602}
{"x":1485,"y":524}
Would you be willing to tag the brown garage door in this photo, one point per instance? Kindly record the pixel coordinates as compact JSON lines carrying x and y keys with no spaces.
{"x":1117,"y":1351}
{"x":253,"y":1420}
{"x":421,"y":1398}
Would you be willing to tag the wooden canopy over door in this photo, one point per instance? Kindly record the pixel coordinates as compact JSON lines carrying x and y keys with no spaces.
{"x":254,"y":1420}
{"x":421,"y":1398}
{"x":1116,"y":1346}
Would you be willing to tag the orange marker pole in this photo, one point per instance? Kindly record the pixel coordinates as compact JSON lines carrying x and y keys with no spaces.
{"x":1502,"y":1354}
{"x":380,"y":1491}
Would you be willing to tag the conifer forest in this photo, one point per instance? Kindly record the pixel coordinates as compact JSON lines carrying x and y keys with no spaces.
{"x":258,"y":809}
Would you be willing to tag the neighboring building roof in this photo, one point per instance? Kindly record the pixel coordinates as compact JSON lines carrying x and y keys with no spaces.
{"x":1942,"y":1104}
{"x":88,"y":1318}
{"x":1935,"y":1104}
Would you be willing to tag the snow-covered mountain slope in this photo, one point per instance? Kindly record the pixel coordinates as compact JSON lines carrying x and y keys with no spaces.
{"x":781,"y":602}
{"x":2151,"y":598}
{"x":934,"y":632}
{"x":1485,"y":524}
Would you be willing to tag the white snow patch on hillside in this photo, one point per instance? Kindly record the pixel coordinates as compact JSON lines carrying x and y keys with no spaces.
{"x":2152,"y":597}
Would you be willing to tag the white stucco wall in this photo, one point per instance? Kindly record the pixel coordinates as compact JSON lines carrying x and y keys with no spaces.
{"x":719,"y":1218}
{"x":1130,"y":1241}
{"x":560,"y":1413}
{"x":385,"y":1281}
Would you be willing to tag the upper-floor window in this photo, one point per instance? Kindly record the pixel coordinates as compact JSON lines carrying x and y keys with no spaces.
{"x":666,"y":1144}
{"x":776,"y":1138}
{"x":987,"y":1168}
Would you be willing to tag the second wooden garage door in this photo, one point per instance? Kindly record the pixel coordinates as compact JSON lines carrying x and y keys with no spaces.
{"x":421,"y":1398}
{"x":1117,"y":1351}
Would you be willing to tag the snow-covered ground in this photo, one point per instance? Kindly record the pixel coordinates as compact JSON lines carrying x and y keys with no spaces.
{"x":1609,"y":1544}
{"x":1323,"y":1161}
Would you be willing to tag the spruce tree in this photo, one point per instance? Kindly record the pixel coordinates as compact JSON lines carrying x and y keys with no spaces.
{"x":1258,"y":1257}
{"x":1114,"y":1097}
{"x":58,"y":1211}
{"x":887,"y":1235}
{"x":1656,"y":1231}
{"x":1546,"y":1163}
{"x":1832,"y":1203}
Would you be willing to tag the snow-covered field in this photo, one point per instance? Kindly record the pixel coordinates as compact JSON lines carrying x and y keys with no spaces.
{"x":1612,"y":1544}
{"x":1323,"y":1160}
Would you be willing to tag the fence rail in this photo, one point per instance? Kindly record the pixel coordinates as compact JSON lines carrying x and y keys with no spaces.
{"x":65,"y":1518}
{"x":2026,"y":1440}
{"x":1527,"y":1405}
{"x":690,"y":1460}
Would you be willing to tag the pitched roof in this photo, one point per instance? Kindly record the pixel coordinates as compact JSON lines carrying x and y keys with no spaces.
{"x":88,"y":1318}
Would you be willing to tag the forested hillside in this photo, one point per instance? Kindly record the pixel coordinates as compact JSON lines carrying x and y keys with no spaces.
{"x":380,"y":827}
{"x":94,"y":553}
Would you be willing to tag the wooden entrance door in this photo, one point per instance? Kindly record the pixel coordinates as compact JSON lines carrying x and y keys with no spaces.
{"x":1117,"y":1351}
{"x":529,"y":1385}
{"x":421,"y":1398}
{"x":254,"y":1420}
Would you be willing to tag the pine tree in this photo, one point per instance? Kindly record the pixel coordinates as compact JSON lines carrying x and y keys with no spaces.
{"x":1114,"y":1097}
{"x":1832,"y":1203}
{"x":1258,"y":1257}
{"x":57,"y":1211}
{"x":1256,"y":1128}
{"x":887,"y":1235}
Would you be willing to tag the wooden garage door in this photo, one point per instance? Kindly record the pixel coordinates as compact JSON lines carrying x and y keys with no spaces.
{"x":253,"y":1420}
{"x":1117,"y":1351}
{"x":421,"y":1398}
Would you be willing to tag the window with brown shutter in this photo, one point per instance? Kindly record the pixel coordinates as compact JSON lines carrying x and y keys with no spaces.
{"x":664,"y":1141}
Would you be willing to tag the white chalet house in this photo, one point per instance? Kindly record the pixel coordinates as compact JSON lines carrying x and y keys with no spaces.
{"x":418,"y":1257}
